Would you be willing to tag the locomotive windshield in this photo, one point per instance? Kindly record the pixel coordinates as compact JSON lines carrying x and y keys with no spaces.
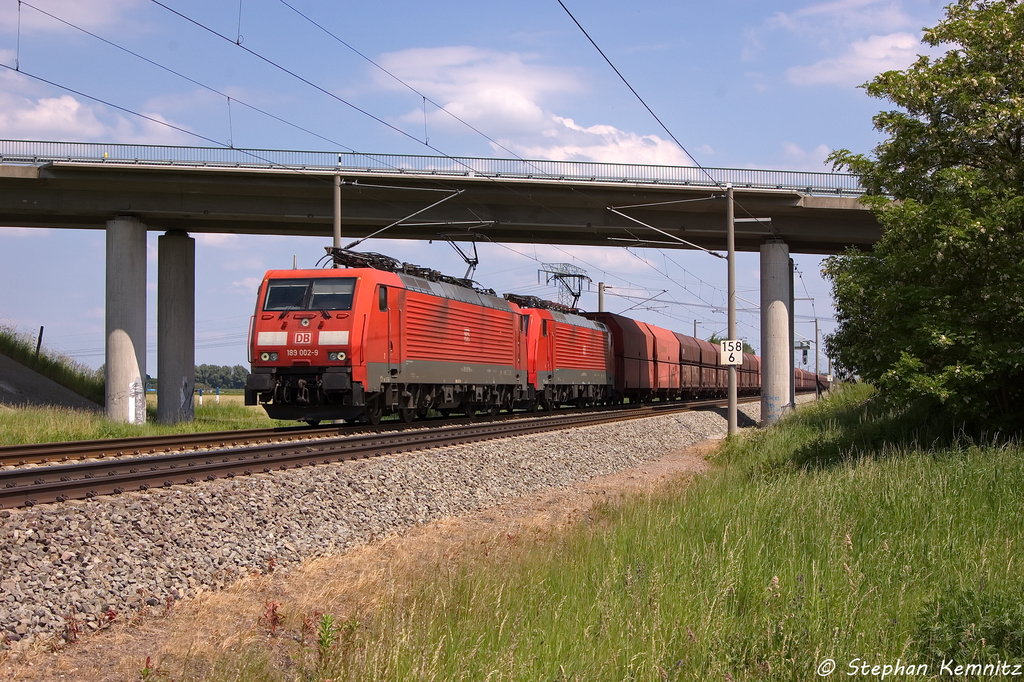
{"x":322,"y":293}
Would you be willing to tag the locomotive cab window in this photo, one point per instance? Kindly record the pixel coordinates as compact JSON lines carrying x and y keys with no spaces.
{"x":382,"y":298}
{"x":321,"y":293}
{"x":543,"y":327}
{"x":332,"y":294}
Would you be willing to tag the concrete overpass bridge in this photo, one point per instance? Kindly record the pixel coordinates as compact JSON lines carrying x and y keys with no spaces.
{"x":129,"y":189}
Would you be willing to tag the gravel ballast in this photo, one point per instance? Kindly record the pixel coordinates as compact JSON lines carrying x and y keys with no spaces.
{"x":73,"y":567}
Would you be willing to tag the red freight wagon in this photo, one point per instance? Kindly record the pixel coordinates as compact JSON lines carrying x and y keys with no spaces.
{"x":689,"y":368}
{"x":747,"y":375}
{"x":570,"y":356}
{"x":757,"y":369}
{"x":350,"y":343}
{"x":666,"y":359}
{"x":710,"y":387}
{"x":633,"y":345}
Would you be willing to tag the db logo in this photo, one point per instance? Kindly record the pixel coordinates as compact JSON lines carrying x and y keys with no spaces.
{"x":303,"y":337}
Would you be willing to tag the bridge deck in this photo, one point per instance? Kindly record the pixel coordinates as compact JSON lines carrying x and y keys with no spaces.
{"x":82,"y":185}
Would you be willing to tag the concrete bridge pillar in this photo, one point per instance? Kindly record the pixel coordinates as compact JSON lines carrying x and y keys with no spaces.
{"x":126,"y":320}
{"x":776,"y":330}
{"x":176,"y":327}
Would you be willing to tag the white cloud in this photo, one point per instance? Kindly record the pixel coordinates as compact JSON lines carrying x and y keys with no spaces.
{"x":498,"y":90}
{"x":249,"y":284}
{"x":24,"y":232}
{"x":26,"y":112}
{"x":92,"y":14}
{"x":796,"y":158}
{"x":873,"y":15}
{"x":862,"y":60}
{"x":504,"y":94}
{"x":563,"y":139}
{"x":216,"y":239}
{"x":461,"y":73}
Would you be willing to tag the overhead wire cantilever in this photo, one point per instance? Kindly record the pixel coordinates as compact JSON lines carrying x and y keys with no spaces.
{"x":402,"y":220}
{"x":667,"y":234}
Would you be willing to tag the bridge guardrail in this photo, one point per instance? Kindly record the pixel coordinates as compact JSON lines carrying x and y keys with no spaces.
{"x":808,"y":182}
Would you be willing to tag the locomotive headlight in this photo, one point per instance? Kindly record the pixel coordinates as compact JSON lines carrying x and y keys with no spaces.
{"x":273,"y":357}
{"x":341,"y":355}
{"x":332,"y":356}
{"x":305,"y":322}
{"x":264,"y":356}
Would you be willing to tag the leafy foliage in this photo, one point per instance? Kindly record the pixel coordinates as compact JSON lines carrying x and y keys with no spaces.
{"x":935,"y":311}
{"x":221,"y":376}
{"x":715,"y":339}
{"x":971,"y":627}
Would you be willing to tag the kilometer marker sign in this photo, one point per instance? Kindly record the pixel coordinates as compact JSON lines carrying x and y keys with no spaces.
{"x":732,"y":352}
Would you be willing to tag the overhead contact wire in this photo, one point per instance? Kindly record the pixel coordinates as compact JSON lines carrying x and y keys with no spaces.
{"x":469,"y":125}
{"x":190,"y":80}
{"x":649,"y":110}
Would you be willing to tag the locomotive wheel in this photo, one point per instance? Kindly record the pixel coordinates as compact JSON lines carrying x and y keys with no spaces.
{"x":407,"y":414}
{"x":373,"y":412}
{"x":469,"y":409}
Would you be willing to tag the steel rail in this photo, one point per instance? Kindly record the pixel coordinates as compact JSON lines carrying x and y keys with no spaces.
{"x":67,"y":451}
{"x":34,"y":453}
{"x":86,"y":480}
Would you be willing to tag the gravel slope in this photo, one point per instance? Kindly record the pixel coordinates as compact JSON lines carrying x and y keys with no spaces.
{"x":76,"y":565}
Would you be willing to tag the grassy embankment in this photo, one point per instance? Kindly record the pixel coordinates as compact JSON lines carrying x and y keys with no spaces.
{"x":65,"y":371}
{"x":55,"y":424}
{"x":844,"y":533}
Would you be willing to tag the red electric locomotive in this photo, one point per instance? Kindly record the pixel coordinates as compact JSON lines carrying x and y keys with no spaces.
{"x":570,"y":357}
{"x":382,"y":337}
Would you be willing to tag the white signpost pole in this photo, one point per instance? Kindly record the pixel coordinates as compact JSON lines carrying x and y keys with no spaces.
{"x":731,"y":243}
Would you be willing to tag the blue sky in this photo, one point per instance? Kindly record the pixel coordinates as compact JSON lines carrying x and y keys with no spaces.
{"x":766,"y":84}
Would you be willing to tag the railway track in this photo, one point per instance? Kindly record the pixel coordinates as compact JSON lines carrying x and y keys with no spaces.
{"x":43,"y":453}
{"x":244,"y":456}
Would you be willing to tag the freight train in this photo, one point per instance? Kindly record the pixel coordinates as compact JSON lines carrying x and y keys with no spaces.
{"x":381,"y":337}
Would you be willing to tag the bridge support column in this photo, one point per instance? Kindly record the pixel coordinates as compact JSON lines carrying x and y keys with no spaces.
{"x":776,"y":342}
{"x":125,"y":372}
{"x":175,"y":328}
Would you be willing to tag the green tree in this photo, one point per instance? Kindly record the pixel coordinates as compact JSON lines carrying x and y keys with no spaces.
{"x":221,"y":376}
{"x":936,"y":310}
{"x":715,"y":339}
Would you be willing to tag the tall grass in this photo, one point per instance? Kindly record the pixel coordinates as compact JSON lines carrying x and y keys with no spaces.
{"x":837,"y":535}
{"x":73,"y":375}
{"x":57,"y":424}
